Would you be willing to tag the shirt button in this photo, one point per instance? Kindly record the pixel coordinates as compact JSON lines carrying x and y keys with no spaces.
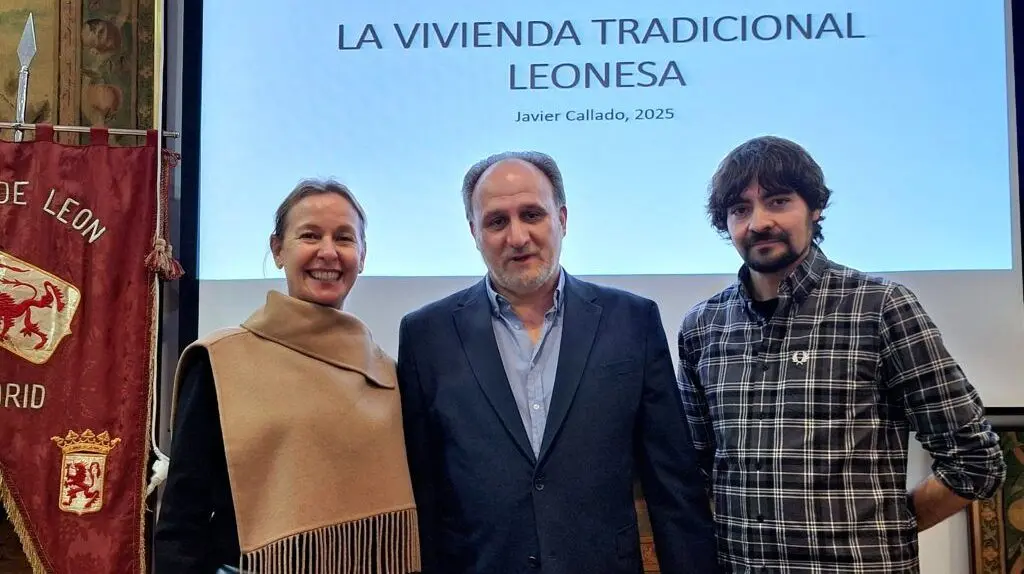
{"x":533,"y":561}
{"x":764,"y":366}
{"x":536,"y":407}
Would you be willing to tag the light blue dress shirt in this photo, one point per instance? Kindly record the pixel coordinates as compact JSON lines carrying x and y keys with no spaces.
{"x":530,"y":367}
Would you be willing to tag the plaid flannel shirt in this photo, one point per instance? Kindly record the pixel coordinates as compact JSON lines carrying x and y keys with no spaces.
{"x":802,"y":421}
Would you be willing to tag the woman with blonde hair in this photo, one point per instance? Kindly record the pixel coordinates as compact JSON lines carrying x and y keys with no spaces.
{"x":288,"y":454}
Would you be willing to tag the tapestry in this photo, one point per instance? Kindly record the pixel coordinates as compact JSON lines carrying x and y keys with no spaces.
{"x":997,"y":524}
{"x":94,"y":65}
{"x":41,"y":104}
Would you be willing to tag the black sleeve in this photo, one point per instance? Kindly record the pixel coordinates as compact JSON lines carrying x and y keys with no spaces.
{"x":684,"y":534}
{"x":419,"y":450}
{"x":196,"y":531}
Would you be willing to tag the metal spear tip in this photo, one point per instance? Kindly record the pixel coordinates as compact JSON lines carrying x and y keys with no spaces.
{"x":27,"y":45}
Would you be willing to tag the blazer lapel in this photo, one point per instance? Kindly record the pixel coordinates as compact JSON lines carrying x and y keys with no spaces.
{"x":580,"y":321}
{"x":473,"y":321}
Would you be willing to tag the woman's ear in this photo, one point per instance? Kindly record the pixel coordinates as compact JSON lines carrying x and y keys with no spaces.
{"x":275,"y":250}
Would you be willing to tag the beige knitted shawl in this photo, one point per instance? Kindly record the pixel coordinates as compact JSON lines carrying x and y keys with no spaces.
{"x":311,"y":417}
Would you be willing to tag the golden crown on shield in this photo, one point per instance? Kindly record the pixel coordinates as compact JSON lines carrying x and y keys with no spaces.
{"x":86,"y":442}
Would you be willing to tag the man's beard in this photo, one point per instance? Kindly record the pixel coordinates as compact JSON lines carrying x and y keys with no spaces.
{"x":774,"y":263}
{"x":526,"y":281}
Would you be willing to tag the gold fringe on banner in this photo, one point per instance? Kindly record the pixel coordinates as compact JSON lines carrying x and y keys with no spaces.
{"x":384,"y":543}
{"x":14,"y":515}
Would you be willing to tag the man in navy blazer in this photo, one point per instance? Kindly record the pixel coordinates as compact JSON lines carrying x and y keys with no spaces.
{"x":533,"y":399}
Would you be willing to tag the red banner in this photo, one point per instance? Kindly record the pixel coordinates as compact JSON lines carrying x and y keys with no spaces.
{"x":77,"y":341}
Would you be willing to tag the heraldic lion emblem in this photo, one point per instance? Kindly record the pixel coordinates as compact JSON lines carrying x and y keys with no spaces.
{"x":83,"y":470}
{"x":36,"y":309}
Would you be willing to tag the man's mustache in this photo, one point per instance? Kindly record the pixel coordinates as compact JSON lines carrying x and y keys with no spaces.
{"x":757,"y":237}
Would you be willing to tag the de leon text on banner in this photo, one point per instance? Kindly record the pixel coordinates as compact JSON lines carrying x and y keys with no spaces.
{"x":78,"y":225}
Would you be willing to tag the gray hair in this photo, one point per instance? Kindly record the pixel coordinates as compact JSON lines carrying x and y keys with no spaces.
{"x":310,"y":187}
{"x":539,"y":160}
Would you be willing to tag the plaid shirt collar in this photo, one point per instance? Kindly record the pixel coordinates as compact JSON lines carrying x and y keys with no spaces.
{"x":799,"y":284}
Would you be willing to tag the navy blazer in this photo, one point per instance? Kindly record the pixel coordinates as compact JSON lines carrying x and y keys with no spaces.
{"x":487,"y":505}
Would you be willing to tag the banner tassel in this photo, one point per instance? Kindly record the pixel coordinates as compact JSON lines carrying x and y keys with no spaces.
{"x":161,"y":261}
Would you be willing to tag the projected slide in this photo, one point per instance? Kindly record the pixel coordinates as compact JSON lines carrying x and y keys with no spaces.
{"x":904,"y":105}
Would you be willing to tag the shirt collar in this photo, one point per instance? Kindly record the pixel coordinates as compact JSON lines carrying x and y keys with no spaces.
{"x":801,"y":282}
{"x":500,"y":303}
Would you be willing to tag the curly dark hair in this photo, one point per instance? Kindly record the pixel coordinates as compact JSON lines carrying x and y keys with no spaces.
{"x":776,"y":164}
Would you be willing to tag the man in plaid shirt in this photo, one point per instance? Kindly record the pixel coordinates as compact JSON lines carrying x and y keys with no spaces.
{"x":801,"y":382}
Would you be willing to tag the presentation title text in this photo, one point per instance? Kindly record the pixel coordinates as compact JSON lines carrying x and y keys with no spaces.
{"x":635,"y":72}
